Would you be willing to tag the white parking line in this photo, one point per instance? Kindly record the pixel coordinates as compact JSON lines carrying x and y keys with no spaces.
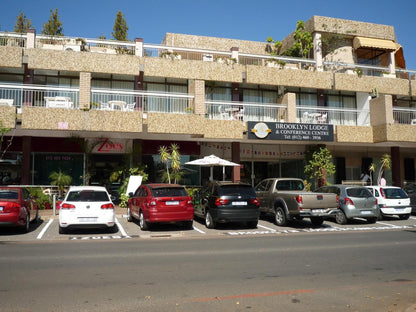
{"x":198,"y":230}
{"x":414,"y":218}
{"x":392,"y":225}
{"x":265,"y":227}
{"x":44,"y":229}
{"x":123,"y":232}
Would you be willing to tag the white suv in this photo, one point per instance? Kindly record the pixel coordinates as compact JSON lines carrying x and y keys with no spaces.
{"x":392,"y":200}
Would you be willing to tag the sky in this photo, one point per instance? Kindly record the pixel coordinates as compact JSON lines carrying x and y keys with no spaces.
{"x":244,"y":19}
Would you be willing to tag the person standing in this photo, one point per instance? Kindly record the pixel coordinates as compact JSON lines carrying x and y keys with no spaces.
{"x":382,"y":181}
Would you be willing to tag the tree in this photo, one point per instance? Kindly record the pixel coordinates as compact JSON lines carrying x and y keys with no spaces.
{"x":60,"y":179}
{"x":22,"y":24}
{"x":273,"y":50}
{"x":319,"y":164}
{"x":3,"y":132}
{"x":172,"y":155}
{"x":303,"y":42}
{"x":385,"y":164}
{"x":53,"y":27}
{"x":120,"y":28}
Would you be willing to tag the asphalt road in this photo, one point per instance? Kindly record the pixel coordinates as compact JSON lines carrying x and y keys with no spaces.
{"x":323,"y":271}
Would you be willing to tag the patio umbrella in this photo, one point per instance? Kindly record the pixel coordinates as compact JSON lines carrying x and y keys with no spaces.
{"x":212,"y":161}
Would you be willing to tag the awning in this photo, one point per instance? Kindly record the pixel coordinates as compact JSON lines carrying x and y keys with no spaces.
{"x":380,"y":44}
{"x":399,"y":57}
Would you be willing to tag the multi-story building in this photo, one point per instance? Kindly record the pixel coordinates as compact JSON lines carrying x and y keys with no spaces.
{"x":89,"y":106}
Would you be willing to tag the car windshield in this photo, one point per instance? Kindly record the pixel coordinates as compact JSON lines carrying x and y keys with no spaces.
{"x":360,"y":192}
{"x":8,"y":194}
{"x":246,"y":190}
{"x":169,"y":192}
{"x":87,"y":196}
{"x":393,"y":193}
{"x":289,"y":185}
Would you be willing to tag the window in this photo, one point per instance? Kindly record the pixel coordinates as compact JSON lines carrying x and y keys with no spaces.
{"x":169,"y":191}
{"x":87,"y":196}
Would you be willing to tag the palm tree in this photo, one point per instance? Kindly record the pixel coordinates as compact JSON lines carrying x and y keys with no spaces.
{"x":60,"y":179}
{"x":371,"y":169}
{"x":176,"y":162}
{"x":165,"y":157}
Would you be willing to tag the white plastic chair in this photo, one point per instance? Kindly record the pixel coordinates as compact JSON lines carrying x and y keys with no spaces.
{"x":104,"y":106}
{"x":223,"y":114}
{"x":129,"y":107}
{"x":323,"y":118}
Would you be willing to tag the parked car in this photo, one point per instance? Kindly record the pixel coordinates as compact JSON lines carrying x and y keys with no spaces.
{"x":86,"y":207}
{"x":410,"y":189}
{"x":354,"y":202}
{"x":392,"y":200}
{"x":17,"y":208}
{"x":160,"y":203}
{"x":221,"y":202}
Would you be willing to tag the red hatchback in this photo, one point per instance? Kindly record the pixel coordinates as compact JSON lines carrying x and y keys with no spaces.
{"x":158,"y":203}
{"x":17,"y":207}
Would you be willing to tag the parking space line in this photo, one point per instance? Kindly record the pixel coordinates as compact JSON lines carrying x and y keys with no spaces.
{"x":414,"y":218}
{"x":265,"y":227}
{"x":392,"y":225}
{"x":123,"y":232}
{"x":44,"y":229}
{"x":198,"y":230}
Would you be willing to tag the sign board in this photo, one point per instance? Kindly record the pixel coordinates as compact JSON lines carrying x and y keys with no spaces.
{"x":290,"y":131}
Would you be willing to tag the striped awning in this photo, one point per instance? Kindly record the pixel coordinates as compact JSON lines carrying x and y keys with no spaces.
{"x":371,"y":43}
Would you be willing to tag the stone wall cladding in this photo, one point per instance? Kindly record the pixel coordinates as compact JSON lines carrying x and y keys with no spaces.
{"x":214,"y":43}
{"x":11,"y":56}
{"x":288,"y":77}
{"x":83,"y":62}
{"x":351,"y":82}
{"x":354,"y":134}
{"x":413,"y":87}
{"x":401,"y":133}
{"x":194,"y":125}
{"x":40,"y":118}
{"x":8,"y":116}
{"x":188,"y":69}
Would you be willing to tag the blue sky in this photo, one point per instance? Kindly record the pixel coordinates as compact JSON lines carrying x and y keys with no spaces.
{"x":247,"y":20}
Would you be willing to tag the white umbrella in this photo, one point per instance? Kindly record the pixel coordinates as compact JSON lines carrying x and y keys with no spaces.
{"x":212,"y":161}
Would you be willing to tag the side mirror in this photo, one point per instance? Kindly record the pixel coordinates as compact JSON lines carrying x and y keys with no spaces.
{"x":131,"y":194}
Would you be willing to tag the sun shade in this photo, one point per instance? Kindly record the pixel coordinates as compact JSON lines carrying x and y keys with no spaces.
{"x":381,"y":44}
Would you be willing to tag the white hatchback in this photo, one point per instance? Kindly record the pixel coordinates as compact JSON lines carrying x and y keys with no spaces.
{"x":86,"y":207}
{"x":392,"y":200}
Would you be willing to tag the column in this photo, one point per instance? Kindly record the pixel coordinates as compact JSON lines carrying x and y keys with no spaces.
{"x":235,"y":157}
{"x":84,"y":90}
{"x":139,"y":47}
{"x":396,"y":173}
{"x":197,"y":88}
{"x":234,"y":53}
{"x":30,"y":39}
{"x":392,"y":65}
{"x":317,"y":51}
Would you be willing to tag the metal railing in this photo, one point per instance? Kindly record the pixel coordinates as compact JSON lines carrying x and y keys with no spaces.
{"x":13,"y":39}
{"x":176,"y":103}
{"x":154,"y":50}
{"x":36,"y":95}
{"x":402,"y":115}
{"x":245,"y":111}
{"x":334,"y":116}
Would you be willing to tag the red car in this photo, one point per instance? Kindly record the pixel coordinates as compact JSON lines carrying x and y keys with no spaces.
{"x":158,"y":203}
{"x":17,"y":207}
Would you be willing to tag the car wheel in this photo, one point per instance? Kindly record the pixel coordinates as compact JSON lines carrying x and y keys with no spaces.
{"x":129,"y":217}
{"x":144,"y":226}
{"x":252,"y":224}
{"x":188,"y":225}
{"x":404,"y":216}
{"x":113,"y":229}
{"x":372,"y":220}
{"x":62,"y":230}
{"x":341,"y":218}
{"x":26,"y":226}
{"x":317,"y":221}
{"x":280,"y":217}
{"x":209,"y":222}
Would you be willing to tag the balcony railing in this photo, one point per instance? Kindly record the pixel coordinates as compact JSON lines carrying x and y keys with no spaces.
{"x":244,"y":111}
{"x":141,"y":100}
{"x":33,"y":95}
{"x":154,"y":50}
{"x":334,"y":116}
{"x":404,"y":115}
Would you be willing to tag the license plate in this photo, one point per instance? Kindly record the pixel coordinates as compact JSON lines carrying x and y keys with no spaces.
{"x":85,"y":219}
{"x":365,"y":212}
{"x":240,"y":203}
{"x":318,"y":210}
{"x":399,"y":209}
{"x":172,"y":202}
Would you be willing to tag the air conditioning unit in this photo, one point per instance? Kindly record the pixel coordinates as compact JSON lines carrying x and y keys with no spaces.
{"x":207,"y":57}
{"x":72,"y":47}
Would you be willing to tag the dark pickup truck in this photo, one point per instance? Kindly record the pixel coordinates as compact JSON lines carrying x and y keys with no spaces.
{"x":287,"y":199}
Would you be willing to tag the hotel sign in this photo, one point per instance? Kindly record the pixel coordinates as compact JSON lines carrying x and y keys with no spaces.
{"x":290,"y":131}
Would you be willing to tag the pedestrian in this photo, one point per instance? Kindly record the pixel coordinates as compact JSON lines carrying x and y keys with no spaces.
{"x":382,"y":181}
{"x":364,"y":177}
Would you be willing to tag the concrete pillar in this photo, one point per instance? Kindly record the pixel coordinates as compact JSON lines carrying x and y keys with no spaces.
{"x":30,"y":39}
{"x":139,"y":47}
{"x":234,"y":53}
{"x":392,"y":64}
{"x":317,"y":51}
{"x":235,"y":157}
{"x":26,"y":165}
{"x":381,"y":110}
{"x":84,"y":90}
{"x":288,"y":99}
{"x":396,"y":172}
{"x":197,"y":88}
